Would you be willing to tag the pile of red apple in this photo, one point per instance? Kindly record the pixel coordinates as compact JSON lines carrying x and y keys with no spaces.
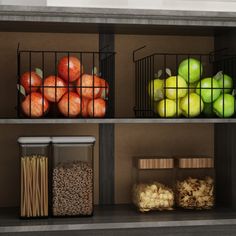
{"x":74,"y":92}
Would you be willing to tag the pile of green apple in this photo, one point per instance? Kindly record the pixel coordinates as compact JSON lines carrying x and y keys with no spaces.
{"x":190,"y":95}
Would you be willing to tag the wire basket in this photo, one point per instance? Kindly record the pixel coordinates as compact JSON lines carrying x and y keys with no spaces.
{"x":169,"y":85}
{"x":62,"y":84}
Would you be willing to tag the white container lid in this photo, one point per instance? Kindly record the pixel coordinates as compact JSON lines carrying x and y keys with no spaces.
{"x":32,"y":140}
{"x":73,"y":139}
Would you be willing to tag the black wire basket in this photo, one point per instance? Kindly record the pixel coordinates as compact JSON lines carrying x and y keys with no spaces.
{"x":171,"y":85}
{"x":65,"y":84}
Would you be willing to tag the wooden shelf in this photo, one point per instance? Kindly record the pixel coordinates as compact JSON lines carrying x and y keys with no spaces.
{"x":116,"y":16}
{"x":123,"y":219}
{"x":117,"y":121}
{"x":117,"y":218}
{"x":105,"y":20}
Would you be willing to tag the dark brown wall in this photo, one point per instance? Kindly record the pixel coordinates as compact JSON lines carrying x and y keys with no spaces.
{"x":34,"y":41}
{"x":9,"y":157}
{"x":124,"y":46}
{"x":156,"y":140}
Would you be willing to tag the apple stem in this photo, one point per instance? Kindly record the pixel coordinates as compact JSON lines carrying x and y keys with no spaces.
{"x":39,"y":72}
{"x":21,"y":89}
{"x":168,"y":71}
{"x":233,"y":92}
{"x":218,"y":75}
{"x":94,"y":70}
{"x":158,"y":74}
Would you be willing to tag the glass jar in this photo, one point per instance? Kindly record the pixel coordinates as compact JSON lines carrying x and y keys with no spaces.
{"x":195,"y":183}
{"x":34,"y":154}
{"x":72,"y":176}
{"x":153,"y":177}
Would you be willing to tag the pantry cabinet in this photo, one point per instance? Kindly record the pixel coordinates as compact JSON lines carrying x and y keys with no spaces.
{"x":120,"y":136}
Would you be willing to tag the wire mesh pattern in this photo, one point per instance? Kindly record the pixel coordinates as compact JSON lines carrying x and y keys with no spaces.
{"x":57,"y":84}
{"x":169,"y":85}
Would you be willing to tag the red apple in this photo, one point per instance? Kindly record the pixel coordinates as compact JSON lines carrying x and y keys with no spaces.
{"x":97,"y":108}
{"x":35,"y":81}
{"x":73,"y":100}
{"x":73,"y":64}
{"x":39,"y":105}
{"x":54,"y":88}
{"x":85,"y":102}
{"x":87,"y":82}
{"x":72,"y":87}
{"x":104,"y":92}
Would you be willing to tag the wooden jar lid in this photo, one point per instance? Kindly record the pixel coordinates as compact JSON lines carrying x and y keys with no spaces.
{"x":195,"y":162}
{"x":155,"y":163}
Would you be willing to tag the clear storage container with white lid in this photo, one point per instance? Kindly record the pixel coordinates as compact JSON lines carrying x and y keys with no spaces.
{"x":34,"y":154}
{"x":72,"y":176}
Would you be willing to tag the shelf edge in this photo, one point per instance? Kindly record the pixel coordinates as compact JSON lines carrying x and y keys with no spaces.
{"x":116,"y":121}
{"x":121,"y":225}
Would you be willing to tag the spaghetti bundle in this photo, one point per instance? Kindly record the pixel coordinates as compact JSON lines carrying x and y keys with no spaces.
{"x":34,"y":186}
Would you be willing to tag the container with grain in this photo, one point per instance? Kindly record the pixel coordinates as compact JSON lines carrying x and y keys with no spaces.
{"x":153,"y":178}
{"x":34,"y":154}
{"x":72,"y":176}
{"x":195,"y":182}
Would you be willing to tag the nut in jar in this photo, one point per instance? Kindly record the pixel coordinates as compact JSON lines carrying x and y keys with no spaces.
{"x":195,"y":193}
{"x":154,"y":196}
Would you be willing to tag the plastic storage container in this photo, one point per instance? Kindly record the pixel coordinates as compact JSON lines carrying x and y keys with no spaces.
{"x":151,"y":177}
{"x":34,"y":153}
{"x":195,"y":183}
{"x":72,"y":176}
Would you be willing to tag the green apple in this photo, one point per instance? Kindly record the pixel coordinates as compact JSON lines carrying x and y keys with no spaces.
{"x":190,"y":69}
{"x":225,"y":82}
{"x":208,"y":89}
{"x":175,"y":87}
{"x":166,"y":108}
{"x":208,"y":110}
{"x":178,"y":111}
{"x":191,"y":105}
{"x":224,"y":106}
{"x":155,"y":89}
